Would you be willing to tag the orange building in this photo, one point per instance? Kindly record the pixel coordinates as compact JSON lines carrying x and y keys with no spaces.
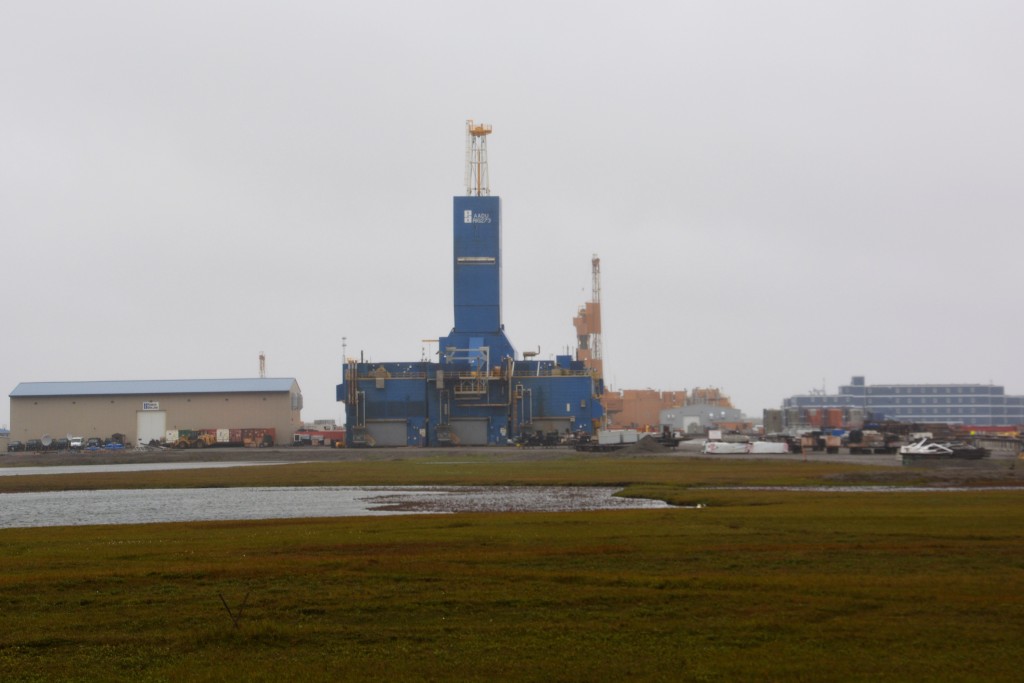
{"x":710,"y":396}
{"x":639,"y":408}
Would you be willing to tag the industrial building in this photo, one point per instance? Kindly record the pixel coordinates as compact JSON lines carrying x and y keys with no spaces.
{"x":639,"y":408}
{"x":146,"y":410}
{"x":697,"y":417}
{"x":687,"y":411}
{"x":980,"y":405}
{"x":481,"y":391}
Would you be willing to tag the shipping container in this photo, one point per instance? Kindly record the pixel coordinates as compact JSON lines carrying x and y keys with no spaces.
{"x":607,"y":437}
{"x":258,"y":437}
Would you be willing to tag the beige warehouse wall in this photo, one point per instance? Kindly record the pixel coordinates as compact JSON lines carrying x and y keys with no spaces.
{"x":101,"y":416}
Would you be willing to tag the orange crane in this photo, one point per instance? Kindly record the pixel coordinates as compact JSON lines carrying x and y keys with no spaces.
{"x":588,"y":324}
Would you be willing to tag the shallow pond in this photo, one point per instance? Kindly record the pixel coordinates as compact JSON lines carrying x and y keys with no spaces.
{"x":141,"y":506}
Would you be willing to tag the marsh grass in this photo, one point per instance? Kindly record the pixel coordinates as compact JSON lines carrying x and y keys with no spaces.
{"x":755,"y":586}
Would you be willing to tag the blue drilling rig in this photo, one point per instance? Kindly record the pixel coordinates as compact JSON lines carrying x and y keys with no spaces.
{"x":479,"y":392}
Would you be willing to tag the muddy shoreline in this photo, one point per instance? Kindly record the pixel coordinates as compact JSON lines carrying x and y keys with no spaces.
{"x":990,"y":471}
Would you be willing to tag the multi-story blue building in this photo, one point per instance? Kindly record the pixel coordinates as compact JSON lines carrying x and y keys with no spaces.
{"x":981,"y":405}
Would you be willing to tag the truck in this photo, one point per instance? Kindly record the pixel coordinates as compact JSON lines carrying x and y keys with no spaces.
{"x":816,"y":442}
{"x":189,"y":438}
{"x":309,"y":437}
{"x":869,"y":441}
{"x":609,"y":440}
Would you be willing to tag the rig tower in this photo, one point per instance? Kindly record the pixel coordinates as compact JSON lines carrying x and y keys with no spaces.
{"x":480,"y":391}
{"x":478,"y":183}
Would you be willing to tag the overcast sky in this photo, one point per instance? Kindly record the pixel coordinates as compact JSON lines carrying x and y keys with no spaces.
{"x":782,"y":194}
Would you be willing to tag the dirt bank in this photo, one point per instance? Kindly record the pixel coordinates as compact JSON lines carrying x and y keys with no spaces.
{"x":883,"y":469}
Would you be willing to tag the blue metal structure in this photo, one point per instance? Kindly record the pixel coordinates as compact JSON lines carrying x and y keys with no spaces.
{"x":479,"y":392}
{"x":476,"y":227}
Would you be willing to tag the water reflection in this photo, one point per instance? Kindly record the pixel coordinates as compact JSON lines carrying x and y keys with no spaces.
{"x":141,"y":506}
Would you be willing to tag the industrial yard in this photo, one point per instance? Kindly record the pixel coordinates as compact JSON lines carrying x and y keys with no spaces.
{"x":478,"y":390}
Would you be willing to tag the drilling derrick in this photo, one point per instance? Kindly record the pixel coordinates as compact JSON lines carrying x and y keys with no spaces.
{"x":478,"y":184}
{"x":588,"y":325}
{"x":479,"y":390}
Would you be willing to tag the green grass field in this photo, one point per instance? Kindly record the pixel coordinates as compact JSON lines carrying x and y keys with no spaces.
{"x":756,"y":586}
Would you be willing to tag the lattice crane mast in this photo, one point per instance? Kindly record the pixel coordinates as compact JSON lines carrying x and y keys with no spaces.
{"x":595,"y":285}
{"x":588,"y":324}
{"x":478,"y":184}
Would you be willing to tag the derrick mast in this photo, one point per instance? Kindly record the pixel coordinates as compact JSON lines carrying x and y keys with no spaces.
{"x":478,"y":333}
{"x":588,"y":324}
{"x":478,"y":184}
{"x":478,"y":391}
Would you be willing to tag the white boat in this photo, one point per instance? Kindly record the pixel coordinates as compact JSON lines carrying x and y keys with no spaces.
{"x":769,"y":447}
{"x":754,"y":447}
{"x":926,"y":448}
{"x":727,"y":447}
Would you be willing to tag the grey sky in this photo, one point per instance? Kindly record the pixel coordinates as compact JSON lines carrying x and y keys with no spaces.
{"x":781,"y":193}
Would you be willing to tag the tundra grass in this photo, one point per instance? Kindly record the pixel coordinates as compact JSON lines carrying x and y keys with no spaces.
{"x":755,"y":586}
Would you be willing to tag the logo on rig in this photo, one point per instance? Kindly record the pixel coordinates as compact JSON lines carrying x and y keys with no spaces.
{"x":469,"y":217}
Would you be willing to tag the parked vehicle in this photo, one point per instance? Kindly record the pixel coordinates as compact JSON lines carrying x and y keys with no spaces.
{"x":306,"y":437}
{"x":15,"y":447}
{"x":191,"y":439}
{"x":33,"y":445}
{"x":816,"y":442}
{"x":75,"y":443}
{"x":868,"y":441}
